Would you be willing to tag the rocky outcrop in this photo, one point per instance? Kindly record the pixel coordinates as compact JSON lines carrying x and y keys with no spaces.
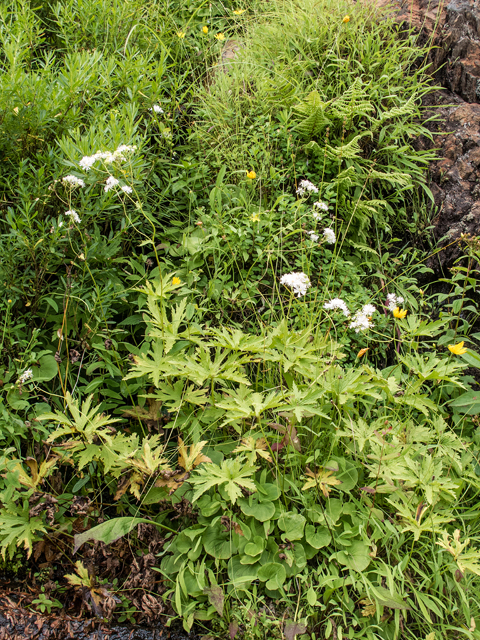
{"x":451,"y":31}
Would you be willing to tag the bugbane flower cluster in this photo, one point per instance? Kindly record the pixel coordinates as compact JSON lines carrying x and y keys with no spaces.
{"x":362,"y":320}
{"x":393,"y":301}
{"x":119,"y":155}
{"x":299,"y":282}
{"x":337,"y":303}
{"x":306,"y":186}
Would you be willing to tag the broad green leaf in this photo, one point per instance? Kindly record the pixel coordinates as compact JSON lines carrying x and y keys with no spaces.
{"x":273,"y":573}
{"x":218,"y":543}
{"x":468,"y":403}
{"x":261,"y":511}
{"x":356,"y":556}
{"x":317,"y":537}
{"x":230,"y":474}
{"x":46,"y":370}
{"x":112,"y":530}
{"x":292,"y":524}
{"x":241,"y":575}
{"x":387,"y":599}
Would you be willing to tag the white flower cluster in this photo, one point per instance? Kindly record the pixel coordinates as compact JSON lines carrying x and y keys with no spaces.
{"x":337,"y":303}
{"x":73,"y":181}
{"x":393,"y":301}
{"x":313,"y":236}
{"x":362,"y":319}
{"x":157,"y":108}
{"x":329,"y":236}
{"x":111,"y":183}
{"x":120,"y":155}
{"x":298,"y":281}
{"x":73,"y":215}
{"x":26,"y":375}
{"x":306,"y":186}
{"x":126,"y":189}
{"x":321,"y":206}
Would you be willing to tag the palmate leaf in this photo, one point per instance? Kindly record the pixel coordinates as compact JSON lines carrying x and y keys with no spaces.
{"x":232,"y":473}
{"x":322,"y":479}
{"x":87,"y":421}
{"x":252,"y":447}
{"x":200,"y":367}
{"x":18,"y":529}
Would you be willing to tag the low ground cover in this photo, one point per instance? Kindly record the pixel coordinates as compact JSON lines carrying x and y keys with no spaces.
{"x":229,"y":384}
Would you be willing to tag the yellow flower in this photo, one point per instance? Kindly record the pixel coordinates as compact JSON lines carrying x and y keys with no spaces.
{"x":346,"y":19}
{"x":9,"y":301}
{"x":181,"y":34}
{"x":399,"y":313}
{"x":457,"y":349}
{"x":176,"y":281}
{"x":219,"y":36}
{"x":251,"y":174}
{"x":362,"y":352}
{"x":238,"y":12}
{"x":205,"y":29}
{"x":255,"y":217}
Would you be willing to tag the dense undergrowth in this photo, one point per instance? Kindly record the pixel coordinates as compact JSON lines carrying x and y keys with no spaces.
{"x":222,"y":385}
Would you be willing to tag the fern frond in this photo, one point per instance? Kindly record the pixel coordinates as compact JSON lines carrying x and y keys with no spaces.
{"x":353,"y":103}
{"x":395,"y":178}
{"x":314,"y":119}
{"x":407,"y":109}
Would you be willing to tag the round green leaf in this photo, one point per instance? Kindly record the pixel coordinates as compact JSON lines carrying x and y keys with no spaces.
{"x":255,"y":547}
{"x":46,"y":370}
{"x":217,"y":543}
{"x":293,"y":525}
{"x":261,"y":511}
{"x":356,"y":556}
{"x":273,"y":574}
{"x":240,"y":574}
{"x":317,"y":537}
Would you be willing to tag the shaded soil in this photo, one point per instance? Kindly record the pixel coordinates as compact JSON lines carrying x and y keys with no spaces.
{"x":19,"y":623}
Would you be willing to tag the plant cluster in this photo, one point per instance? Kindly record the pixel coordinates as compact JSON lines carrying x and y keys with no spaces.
{"x":218,"y":367}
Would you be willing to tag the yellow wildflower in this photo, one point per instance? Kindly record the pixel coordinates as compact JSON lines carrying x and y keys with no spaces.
{"x":238,"y":12}
{"x":176,"y":280}
{"x":205,"y":29}
{"x":255,"y":217}
{"x":362,"y":352}
{"x":346,"y":19}
{"x":457,"y":349}
{"x":181,"y":34}
{"x":9,"y":301}
{"x":251,"y":175}
{"x":219,"y":36}
{"x":399,"y":313}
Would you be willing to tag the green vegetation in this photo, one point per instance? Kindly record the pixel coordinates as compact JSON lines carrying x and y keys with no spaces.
{"x":215,"y":353}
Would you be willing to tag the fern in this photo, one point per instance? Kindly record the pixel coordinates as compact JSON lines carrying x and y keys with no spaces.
{"x":313,"y":111}
{"x":353,"y":103}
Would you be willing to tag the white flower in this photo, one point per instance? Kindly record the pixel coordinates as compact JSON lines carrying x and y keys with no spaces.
{"x":157,"y":108}
{"x":362,"y":319}
{"x":368,"y":310}
{"x":313,"y":236}
{"x":127,"y":189}
{"x":329,"y":236}
{"x":26,"y":375}
{"x":74,"y":215}
{"x":299,"y":282}
{"x":87,"y":162}
{"x":393,"y":301}
{"x":110,"y":183}
{"x":306,"y":186}
{"x":73,"y":181}
{"x":337,"y":303}
{"x":323,"y":206}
